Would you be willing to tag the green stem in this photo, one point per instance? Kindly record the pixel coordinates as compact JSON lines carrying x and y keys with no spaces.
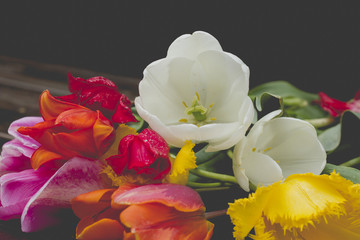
{"x":206,"y":185}
{"x":202,"y":156}
{"x":320,"y":122}
{"x":215,"y":176}
{"x":351,"y":162}
{"x":213,"y":214}
{"x":211,"y":189}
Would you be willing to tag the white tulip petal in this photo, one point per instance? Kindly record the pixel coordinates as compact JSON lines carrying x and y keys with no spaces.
{"x":157,"y":125}
{"x":191,"y":45}
{"x":261,"y":169}
{"x":257,"y":129}
{"x":241,"y":177}
{"x":279,"y":130}
{"x":301,"y":152}
{"x":246,"y":114}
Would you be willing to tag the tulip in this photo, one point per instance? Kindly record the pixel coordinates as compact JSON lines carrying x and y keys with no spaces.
{"x":304,"y":206}
{"x":16,"y":153}
{"x":38,"y":196}
{"x":275,"y":148}
{"x":197,"y":92}
{"x":68,"y":130}
{"x":145,"y":154}
{"x":149,"y":212}
{"x":336,"y":107}
{"x":99,"y":93}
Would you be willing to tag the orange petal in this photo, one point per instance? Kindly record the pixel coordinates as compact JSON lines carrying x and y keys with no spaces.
{"x":50,"y":107}
{"x":80,"y":142}
{"x":89,"y":204}
{"x":103,"y":133}
{"x":105,"y":228}
{"x":180,"y":197}
{"x":77,"y":118}
{"x":41,"y":156}
{"x":155,"y":221}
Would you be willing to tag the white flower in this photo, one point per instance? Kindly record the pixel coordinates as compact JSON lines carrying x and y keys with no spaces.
{"x":275,"y":148}
{"x":198,"y":93}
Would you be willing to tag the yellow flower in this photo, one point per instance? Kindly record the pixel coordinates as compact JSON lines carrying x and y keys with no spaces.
{"x":180,"y":166}
{"x":304,"y":206}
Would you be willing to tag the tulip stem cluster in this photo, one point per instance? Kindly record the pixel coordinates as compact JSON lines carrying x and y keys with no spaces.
{"x":351,"y":162}
{"x":215,"y":176}
{"x":320,"y":122}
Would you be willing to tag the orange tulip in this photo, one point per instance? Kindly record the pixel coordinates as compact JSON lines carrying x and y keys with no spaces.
{"x":68,"y":130}
{"x":148,"y":212}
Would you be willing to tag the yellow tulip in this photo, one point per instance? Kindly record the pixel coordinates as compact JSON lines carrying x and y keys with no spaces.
{"x":304,"y":206}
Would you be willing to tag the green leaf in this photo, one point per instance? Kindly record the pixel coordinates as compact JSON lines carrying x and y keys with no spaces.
{"x":349,"y":173}
{"x":331,"y":137}
{"x":278,"y":89}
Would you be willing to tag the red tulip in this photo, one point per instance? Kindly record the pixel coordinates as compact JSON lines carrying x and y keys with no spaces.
{"x":99,"y":93}
{"x":149,"y":212}
{"x":68,"y":130}
{"x":146,"y":153}
{"x":336,"y":107}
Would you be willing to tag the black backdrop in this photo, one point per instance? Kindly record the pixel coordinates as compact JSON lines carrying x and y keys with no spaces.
{"x":312,"y":44}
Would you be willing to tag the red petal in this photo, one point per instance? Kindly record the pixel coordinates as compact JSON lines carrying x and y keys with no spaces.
{"x":117,"y":163}
{"x":123,"y":112}
{"x":155,"y":143}
{"x":332,"y":105}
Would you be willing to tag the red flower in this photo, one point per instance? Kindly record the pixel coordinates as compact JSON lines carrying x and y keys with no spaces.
{"x":336,"y":107}
{"x":146,"y":153}
{"x":99,"y":93}
{"x":68,"y":130}
{"x":149,"y":212}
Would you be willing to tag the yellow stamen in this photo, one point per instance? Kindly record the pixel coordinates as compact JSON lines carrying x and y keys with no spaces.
{"x":267,"y":149}
{"x":253,"y":149}
{"x":213,"y":119}
{"x":197,"y":95}
{"x":184,"y":104}
{"x":183,"y":120}
{"x":211,"y":105}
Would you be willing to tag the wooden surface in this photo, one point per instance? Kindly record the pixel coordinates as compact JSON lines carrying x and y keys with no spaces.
{"x":21,"y":82}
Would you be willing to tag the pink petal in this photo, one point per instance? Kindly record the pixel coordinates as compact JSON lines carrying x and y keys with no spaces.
{"x":18,"y":188}
{"x":180,"y":197}
{"x":25,"y":122}
{"x":15,"y":156}
{"x":75,"y":177}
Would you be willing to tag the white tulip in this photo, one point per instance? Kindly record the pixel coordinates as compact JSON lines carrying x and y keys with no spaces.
{"x":198,"y":93}
{"x":276,"y":148}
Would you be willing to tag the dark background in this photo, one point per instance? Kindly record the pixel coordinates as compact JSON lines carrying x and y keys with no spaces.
{"x":312,"y":44}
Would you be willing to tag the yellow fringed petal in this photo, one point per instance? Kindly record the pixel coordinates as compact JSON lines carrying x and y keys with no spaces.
{"x":246,"y":212}
{"x":184,"y":161}
{"x":304,"y":206}
{"x":305,"y":198}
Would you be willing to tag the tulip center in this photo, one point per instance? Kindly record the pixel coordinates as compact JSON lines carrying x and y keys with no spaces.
{"x":198,"y":112}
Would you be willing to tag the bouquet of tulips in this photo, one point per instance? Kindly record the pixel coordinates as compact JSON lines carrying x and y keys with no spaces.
{"x":134,"y":171}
